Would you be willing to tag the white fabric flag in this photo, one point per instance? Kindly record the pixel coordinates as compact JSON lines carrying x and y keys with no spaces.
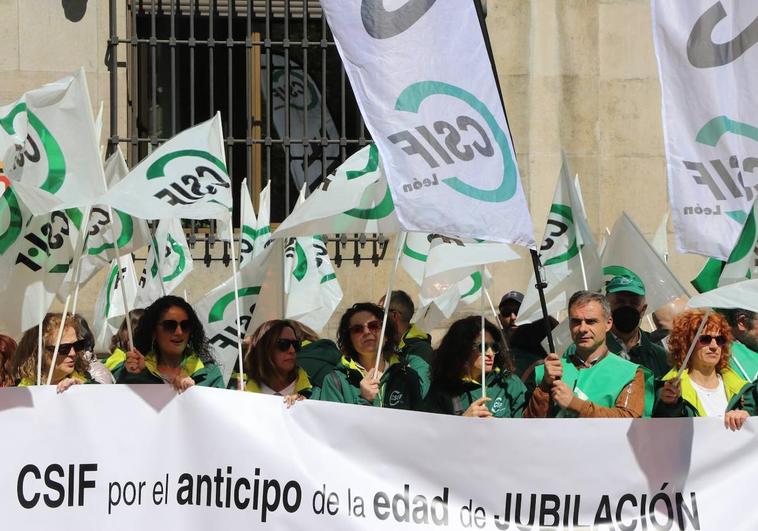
{"x":707,"y":60}
{"x":415,"y":254}
{"x":311,"y":286}
{"x":432,"y":313}
{"x":171,"y":267}
{"x":440,"y":128}
{"x":661,"y":240}
{"x":219,"y":318}
{"x":305,"y":108}
{"x":99,"y":249}
{"x":36,"y":253}
{"x":356,"y":199}
{"x":738,"y":295}
{"x":186,"y":177}
{"x":109,"y":307}
{"x":263,"y":223}
{"x":568,"y":253}
{"x":248,"y":226}
{"x":628,"y":253}
{"x":49,"y":146}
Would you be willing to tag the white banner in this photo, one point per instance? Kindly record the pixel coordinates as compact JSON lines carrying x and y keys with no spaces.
{"x":708,"y":64}
{"x":217,"y":459}
{"x":426,"y":89}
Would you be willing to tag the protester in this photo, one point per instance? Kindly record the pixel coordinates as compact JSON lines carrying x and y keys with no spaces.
{"x":663,"y":318}
{"x":175,"y":349}
{"x":98,"y":371}
{"x":413,"y":340}
{"x":456,"y":373}
{"x":120,"y":340}
{"x":356,"y":380}
{"x":509,"y":306}
{"x":7,"y":348}
{"x":744,"y":358}
{"x":626,"y":295}
{"x":317,"y":357}
{"x":70,"y":367}
{"x":526,"y":348}
{"x":591,"y":381}
{"x":708,"y":387}
{"x":271,"y":363}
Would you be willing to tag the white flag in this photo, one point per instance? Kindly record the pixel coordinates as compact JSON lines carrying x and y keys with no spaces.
{"x":109,"y":308}
{"x":707,"y":62}
{"x":219,"y":318}
{"x":661,"y":240}
{"x":248,"y":226}
{"x":628,"y":253}
{"x":49,"y":146}
{"x":263,"y":223}
{"x":356,"y":199}
{"x":440,"y":127}
{"x":568,"y":254}
{"x":186,"y":177}
{"x":174,"y":262}
{"x":738,"y":295}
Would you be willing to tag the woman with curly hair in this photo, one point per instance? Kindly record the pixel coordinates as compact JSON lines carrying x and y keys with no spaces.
{"x":457,"y":374}
{"x":70,"y":365}
{"x":356,"y":379}
{"x":175,"y":349}
{"x":7,"y":348}
{"x":708,"y":387}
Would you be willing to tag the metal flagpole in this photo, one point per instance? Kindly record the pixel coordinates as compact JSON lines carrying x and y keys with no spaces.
{"x":400,"y":243}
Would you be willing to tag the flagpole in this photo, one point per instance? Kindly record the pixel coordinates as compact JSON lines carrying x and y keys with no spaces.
{"x":483,"y":341}
{"x":241,"y":379}
{"x":39,"y":348}
{"x":541,"y":285}
{"x":58,"y":338}
{"x":692,"y":345}
{"x":121,"y":282}
{"x":400,"y":243}
{"x":581,"y":265}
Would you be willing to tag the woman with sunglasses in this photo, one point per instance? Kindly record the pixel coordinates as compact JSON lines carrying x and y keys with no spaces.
{"x":271,"y":363}
{"x":70,"y":366}
{"x":708,"y":387}
{"x":356,"y":379}
{"x":457,"y":374}
{"x":169,"y":347}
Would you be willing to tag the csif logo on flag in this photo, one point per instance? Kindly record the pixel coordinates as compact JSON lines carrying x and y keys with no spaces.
{"x":99,"y":220}
{"x":454,"y":142}
{"x":202,"y":174}
{"x":381,"y":23}
{"x":40,"y":147}
{"x":48,"y":236}
{"x":227,"y":337}
{"x":11,"y":217}
{"x":702,"y":52}
{"x":560,"y":243}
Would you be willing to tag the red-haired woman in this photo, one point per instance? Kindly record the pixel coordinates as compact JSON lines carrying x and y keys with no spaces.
{"x":708,"y":387}
{"x":7,"y":348}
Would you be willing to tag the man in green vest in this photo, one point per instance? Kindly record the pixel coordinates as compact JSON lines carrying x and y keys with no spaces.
{"x":592,"y":381}
{"x":626,"y":295}
{"x":744,"y":359}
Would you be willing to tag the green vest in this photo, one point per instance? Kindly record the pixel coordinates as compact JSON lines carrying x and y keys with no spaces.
{"x":744,"y":361}
{"x":602,"y":383}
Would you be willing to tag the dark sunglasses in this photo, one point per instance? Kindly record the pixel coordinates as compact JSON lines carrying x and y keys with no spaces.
{"x":487,"y":346}
{"x":706,"y":339}
{"x":65,"y":348}
{"x":373,"y":326}
{"x":283,"y":345}
{"x":169,"y":325}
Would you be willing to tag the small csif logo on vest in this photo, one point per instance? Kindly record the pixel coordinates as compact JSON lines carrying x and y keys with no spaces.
{"x":497,"y":405}
{"x":395,"y":398}
{"x":470,"y":134}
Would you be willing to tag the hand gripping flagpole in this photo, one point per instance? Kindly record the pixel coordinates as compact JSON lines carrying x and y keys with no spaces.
{"x":400,"y":244}
{"x":241,"y":379}
{"x":541,"y":285}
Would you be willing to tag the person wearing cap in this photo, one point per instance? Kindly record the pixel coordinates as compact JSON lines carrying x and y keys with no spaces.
{"x":626,"y":295}
{"x":590,"y":382}
{"x":508,"y":308}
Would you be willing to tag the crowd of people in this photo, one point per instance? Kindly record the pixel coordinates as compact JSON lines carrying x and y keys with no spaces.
{"x":695,"y":364}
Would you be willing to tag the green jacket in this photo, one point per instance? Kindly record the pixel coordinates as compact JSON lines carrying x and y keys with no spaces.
{"x":399,"y":388}
{"x":647,"y":354}
{"x":204,"y":375}
{"x":506,"y":391}
{"x":739,"y":395}
{"x":318,"y":358}
{"x":416,"y":342}
{"x":744,"y":361}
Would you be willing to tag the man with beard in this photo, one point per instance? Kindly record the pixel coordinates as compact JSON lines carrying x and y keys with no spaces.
{"x":744,"y":359}
{"x":626,"y":296}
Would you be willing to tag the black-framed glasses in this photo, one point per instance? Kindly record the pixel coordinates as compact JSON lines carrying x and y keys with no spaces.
{"x":495,"y":347}
{"x":705,"y":340}
{"x":169,"y":325}
{"x":283,"y":345}
{"x":372,"y":326}
{"x":64,"y":349}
